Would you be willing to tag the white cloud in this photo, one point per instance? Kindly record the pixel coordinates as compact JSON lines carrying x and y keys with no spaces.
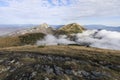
{"x":101,"y":39}
{"x":94,"y":38}
{"x":52,"y":40}
{"x":34,"y":11}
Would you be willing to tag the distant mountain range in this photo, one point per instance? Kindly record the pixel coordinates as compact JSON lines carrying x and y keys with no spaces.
{"x":110,"y":28}
{"x":8,"y":28}
{"x":16,"y":25}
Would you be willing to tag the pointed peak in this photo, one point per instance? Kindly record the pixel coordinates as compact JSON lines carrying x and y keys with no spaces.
{"x":73,"y":28}
{"x":44,"y":25}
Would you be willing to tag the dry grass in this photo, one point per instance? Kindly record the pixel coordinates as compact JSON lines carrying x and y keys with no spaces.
{"x":26,"y":39}
{"x":9,"y":41}
{"x":62,"y":49}
{"x":71,"y":51}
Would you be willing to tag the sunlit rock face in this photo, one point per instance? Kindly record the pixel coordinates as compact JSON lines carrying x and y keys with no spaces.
{"x":43,"y":28}
{"x":72,"y":28}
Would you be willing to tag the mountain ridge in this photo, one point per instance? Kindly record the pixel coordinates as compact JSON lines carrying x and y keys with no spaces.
{"x":43,"y":28}
{"x":48,"y":29}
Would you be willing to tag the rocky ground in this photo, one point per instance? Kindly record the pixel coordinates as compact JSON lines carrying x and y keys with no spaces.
{"x":36,"y":66}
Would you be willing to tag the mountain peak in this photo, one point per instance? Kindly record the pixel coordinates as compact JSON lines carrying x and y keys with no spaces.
{"x":44,"y":25}
{"x":73,"y":28}
{"x":43,"y":28}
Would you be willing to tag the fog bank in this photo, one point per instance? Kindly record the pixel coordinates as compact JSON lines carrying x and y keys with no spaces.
{"x":52,"y":40}
{"x":94,"y":38}
{"x":100,"y":38}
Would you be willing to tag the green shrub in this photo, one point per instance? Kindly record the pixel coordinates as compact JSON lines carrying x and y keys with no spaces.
{"x":41,"y":46}
{"x":31,"y":38}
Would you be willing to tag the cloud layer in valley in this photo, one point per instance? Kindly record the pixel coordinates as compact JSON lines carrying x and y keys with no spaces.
{"x":94,"y":38}
{"x":52,"y":40}
{"x":101,"y":39}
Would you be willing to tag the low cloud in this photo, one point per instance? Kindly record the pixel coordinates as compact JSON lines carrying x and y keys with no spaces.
{"x":52,"y":40}
{"x":101,"y":39}
{"x":93,"y":38}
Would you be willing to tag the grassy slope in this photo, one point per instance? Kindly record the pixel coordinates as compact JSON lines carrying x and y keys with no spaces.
{"x":73,"y":51}
{"x":63,"y":48}
{"x":9,"y":41}
{"x":30,"y":38}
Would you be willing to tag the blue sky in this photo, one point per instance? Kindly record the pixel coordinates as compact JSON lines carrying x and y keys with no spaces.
{"x":2,"y":3}
{"x":105,"y":12}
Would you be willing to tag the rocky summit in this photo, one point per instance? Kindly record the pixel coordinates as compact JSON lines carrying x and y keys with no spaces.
{"x":72,"y":28}
{"x":47,"y":29}
{"x":43,"y":28}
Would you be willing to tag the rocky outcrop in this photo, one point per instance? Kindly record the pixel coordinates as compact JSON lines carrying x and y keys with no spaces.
{"x":43,"y":28}
{"x":36,"y":66}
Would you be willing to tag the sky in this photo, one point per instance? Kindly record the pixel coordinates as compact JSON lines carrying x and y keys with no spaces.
{"x":105,"y":12}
